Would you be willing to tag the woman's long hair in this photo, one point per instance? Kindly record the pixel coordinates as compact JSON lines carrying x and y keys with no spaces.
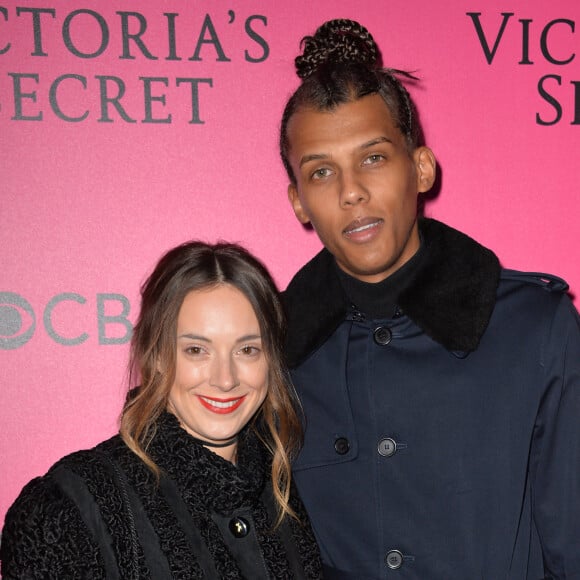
{"x":193,"y":266}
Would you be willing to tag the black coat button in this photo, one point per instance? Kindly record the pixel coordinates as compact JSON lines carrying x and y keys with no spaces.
{"x":387,"y":447}
{"x":382,"y":335}
{"x":341,"y":445}
{"x":394,"y":559}
{"x":239,"y":527}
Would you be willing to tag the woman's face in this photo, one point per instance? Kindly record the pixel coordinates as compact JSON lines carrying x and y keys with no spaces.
{"x":221,"y":374}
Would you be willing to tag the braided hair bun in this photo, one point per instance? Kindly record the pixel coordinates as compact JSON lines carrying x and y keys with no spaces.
{"x":338,"y":42}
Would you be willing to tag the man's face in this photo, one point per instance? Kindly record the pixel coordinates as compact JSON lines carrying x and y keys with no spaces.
{"x":357,"y":184}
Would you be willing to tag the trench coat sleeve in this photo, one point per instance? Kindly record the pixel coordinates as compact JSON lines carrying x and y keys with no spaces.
{"x":555,"y":453}
{"x":45,"y":538}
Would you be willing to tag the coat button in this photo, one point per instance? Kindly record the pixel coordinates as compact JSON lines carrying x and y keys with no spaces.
{"x":387,"y":447}
{"x":382,"y":335}
{"x":341,"y":445}
{"x":239,"y":527}
{"x":394,"y":559}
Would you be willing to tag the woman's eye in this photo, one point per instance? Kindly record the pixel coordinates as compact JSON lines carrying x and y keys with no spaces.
{"x":250,"y":350}
{"x":194,"y":350}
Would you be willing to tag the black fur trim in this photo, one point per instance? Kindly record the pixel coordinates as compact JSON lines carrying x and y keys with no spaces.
{"x":451,"y":297}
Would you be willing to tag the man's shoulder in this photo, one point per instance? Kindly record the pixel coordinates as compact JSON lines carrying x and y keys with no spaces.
{"x":535,"y":290}
{"x":535,"y":300}
{"x":314,"y":291}
{"x":315,"y":272}
{"x":540,"y":280}
{"x":315,"y":304}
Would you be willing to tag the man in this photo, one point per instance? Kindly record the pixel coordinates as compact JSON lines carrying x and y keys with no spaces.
{"x":441,"y":392}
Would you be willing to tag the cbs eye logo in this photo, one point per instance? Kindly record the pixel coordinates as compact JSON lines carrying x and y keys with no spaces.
{"x":17,"y":321}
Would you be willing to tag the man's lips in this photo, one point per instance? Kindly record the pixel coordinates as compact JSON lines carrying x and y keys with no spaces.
{"x":362,"y":227}
{"x":221,"y":406}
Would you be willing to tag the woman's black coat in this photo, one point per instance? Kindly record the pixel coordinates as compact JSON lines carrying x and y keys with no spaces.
{"x":101,"y":514}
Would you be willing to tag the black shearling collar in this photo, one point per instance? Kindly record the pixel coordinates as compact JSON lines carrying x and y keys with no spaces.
{"x":451,"y":296}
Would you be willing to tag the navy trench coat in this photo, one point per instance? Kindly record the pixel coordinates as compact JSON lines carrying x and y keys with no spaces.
{"x":425,"y":461}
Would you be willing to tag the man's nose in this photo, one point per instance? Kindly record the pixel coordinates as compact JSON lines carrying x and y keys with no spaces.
{"x":352,"y":189}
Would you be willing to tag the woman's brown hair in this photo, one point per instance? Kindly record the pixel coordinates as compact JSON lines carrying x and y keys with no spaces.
{"x":193,"y":266}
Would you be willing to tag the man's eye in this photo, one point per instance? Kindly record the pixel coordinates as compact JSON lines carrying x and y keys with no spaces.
{"x":321,"y":173}
{"x":375,"y":158}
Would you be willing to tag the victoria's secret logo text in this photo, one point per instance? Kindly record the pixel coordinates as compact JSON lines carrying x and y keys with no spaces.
{"x":557,"y":93}
{"x":86,"y":35}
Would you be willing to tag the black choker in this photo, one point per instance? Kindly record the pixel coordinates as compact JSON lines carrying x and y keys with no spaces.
{"x":210,"y":444}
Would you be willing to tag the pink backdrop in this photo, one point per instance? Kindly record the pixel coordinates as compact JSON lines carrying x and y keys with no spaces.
{"x":94,"y":189}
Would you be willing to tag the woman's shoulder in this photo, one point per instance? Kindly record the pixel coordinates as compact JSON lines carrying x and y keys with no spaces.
{"x":41,"y":527}
{"x":37,"y":499}
{"x":43,"y":491}
{"x":45,"y":533}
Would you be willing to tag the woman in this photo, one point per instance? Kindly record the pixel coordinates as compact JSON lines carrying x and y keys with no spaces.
{"x":197,"y":483}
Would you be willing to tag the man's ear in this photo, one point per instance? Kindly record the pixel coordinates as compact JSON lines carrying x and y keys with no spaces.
{"x":294,"y":199}
{"x":426,"y":168}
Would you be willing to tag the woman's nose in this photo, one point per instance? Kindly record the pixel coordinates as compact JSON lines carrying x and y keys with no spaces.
{"x":224,"y":374}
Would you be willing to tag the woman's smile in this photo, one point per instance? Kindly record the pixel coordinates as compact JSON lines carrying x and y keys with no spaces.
{"x":221,"y":406}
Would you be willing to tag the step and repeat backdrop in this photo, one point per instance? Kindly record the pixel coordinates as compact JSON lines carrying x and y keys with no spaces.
{"x":129,"y":127}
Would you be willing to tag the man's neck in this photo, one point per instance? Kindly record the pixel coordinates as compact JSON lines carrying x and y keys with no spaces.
{"x":379,"y":299}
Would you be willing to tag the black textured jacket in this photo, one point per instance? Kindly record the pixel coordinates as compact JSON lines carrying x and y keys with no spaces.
{"x":101,"y":514}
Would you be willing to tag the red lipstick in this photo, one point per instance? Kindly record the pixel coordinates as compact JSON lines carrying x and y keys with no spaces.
{"x":221,"y":406}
